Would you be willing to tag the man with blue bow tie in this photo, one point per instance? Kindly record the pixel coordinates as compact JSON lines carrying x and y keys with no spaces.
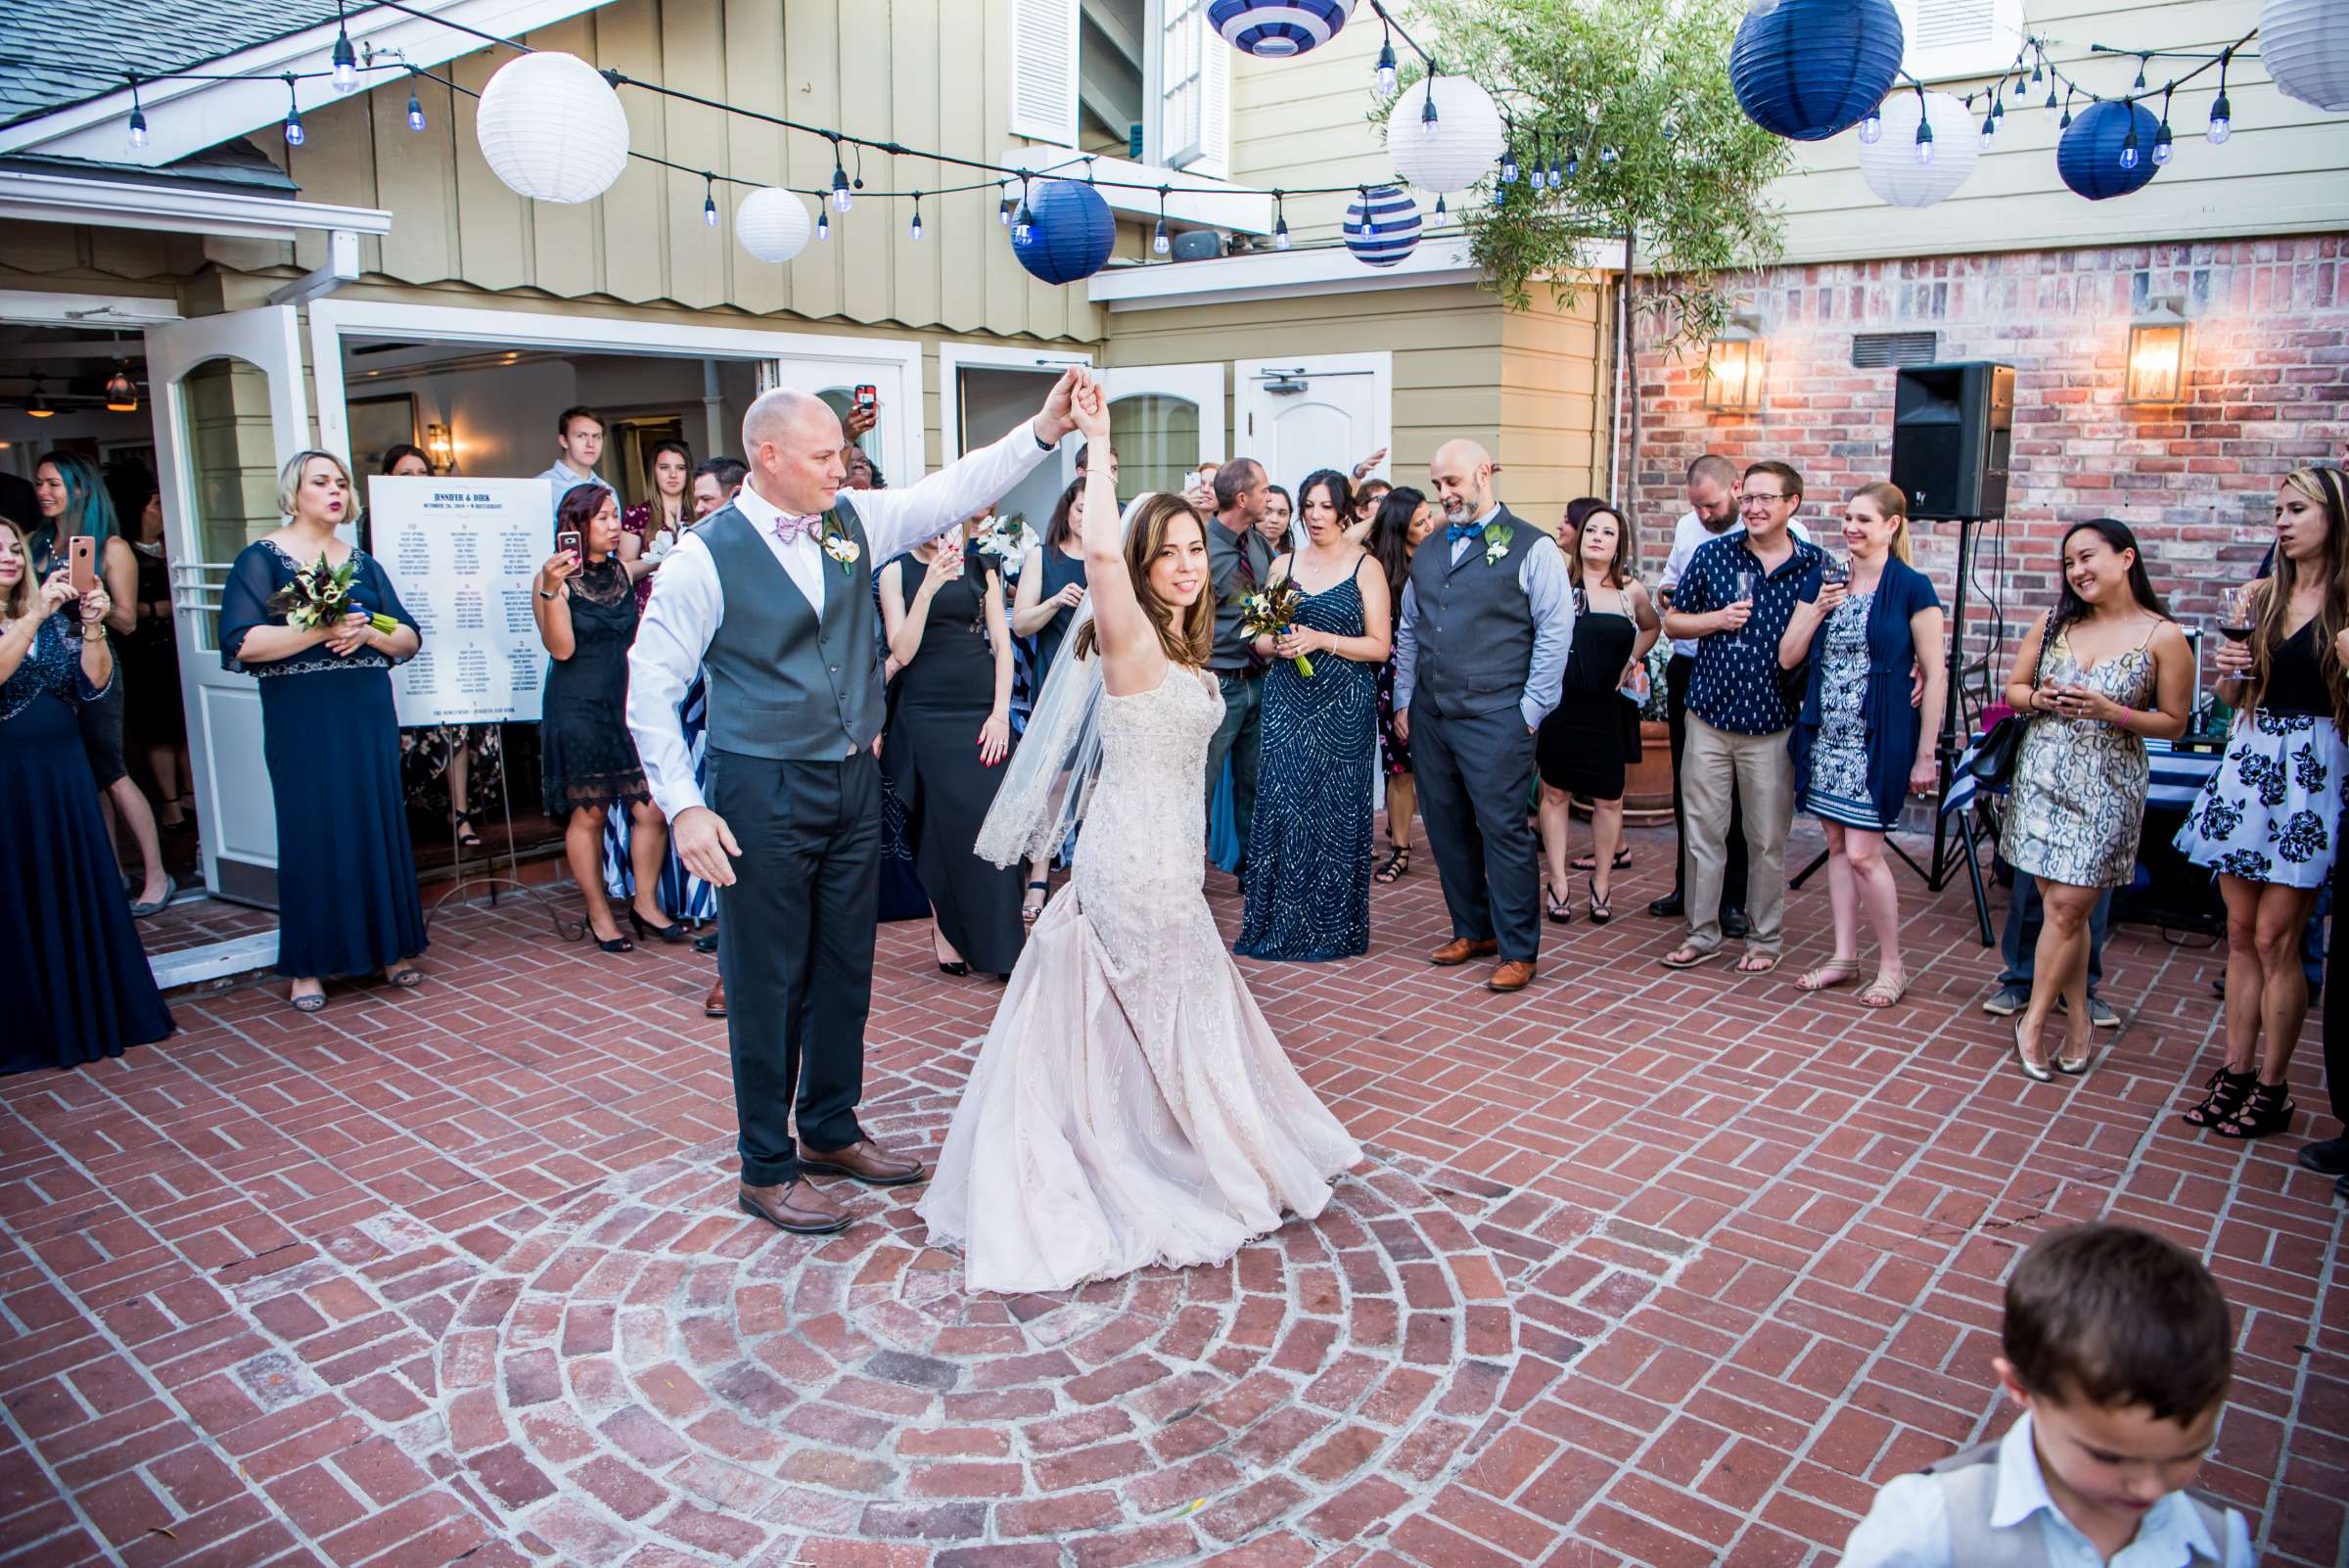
{"x":771,"y":597}
{"x":1480,"y":655}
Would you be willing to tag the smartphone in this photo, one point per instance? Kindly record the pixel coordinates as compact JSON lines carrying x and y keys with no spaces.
{"x":868,"y":397}
{"x":567,"y":542}
{"x":81,"y":563}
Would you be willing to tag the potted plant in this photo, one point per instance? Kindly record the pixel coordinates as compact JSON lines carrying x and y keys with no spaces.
{"x":1647,"y":782}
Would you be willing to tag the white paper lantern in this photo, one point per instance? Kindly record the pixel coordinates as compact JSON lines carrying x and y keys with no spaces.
{"x":1889,"y":164}
{"x":772,"y":224}
{"x":1462,"y":145}
{"x":552,"y":128}
{"x":2305,"y":46}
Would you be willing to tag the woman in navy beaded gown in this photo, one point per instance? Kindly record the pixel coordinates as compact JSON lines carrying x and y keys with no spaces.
{"x":1308,"y":855}
{"x":347,"y":900}
{"x":77,"y":982}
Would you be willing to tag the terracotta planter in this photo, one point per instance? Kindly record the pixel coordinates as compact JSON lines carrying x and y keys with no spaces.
{"x":1648,"y":783}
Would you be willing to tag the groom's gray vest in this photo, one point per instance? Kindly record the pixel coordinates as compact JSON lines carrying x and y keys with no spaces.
{"x":1473,"y":634}
{"x":782,"y":684}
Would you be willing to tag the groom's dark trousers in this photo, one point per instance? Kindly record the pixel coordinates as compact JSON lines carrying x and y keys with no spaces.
{"x":1476,"y":776}
{"x":795,"y":948}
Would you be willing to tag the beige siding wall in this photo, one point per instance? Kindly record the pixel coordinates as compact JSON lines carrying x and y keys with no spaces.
{"x":924,"y":71}
{"x":1303,"y":122}
{"x":1554,"y":388}
{"x":2286,"y":169}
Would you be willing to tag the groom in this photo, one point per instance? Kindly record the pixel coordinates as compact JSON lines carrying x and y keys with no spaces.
{"x":773,"y":596}
{"x":1480,"y":651}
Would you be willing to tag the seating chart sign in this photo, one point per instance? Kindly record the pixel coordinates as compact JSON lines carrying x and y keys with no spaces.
{"x":463,"y":554}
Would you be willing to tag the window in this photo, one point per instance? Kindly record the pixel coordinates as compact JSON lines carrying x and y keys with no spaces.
{"x":1145,"y":80}
{"x":1953,"y":38}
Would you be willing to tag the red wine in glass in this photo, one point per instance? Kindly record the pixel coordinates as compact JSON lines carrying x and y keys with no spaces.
{"x":2235,"y":616}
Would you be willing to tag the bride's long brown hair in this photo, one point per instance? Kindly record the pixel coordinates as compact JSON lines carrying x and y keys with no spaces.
{"x":2330,"y":490}
{"x":1187,"y":634}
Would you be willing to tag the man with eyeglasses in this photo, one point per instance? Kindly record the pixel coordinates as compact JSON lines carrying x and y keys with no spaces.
{"x":1735,"y":600}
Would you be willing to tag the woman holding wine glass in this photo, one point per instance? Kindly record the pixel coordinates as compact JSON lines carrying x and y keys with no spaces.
{"x":2268,"y":820}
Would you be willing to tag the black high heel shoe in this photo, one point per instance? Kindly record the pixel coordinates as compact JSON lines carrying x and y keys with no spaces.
{"x":672,"y":933}
{"x":1602,"y":910}
{"x":616,"y":945}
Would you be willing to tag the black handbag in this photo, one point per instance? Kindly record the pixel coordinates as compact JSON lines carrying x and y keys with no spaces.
{"x":1993,"y":761}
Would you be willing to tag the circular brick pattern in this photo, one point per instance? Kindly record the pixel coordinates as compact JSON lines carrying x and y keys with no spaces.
{"x":647,"y":1365}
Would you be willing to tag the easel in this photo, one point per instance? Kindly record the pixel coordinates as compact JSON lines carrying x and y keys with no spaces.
{"x":1950,"y":850}
{"x":513,"y":877}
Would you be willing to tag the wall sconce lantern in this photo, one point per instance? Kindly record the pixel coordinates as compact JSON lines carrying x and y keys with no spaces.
{"x":2157,"y":351}
{"x":441,"y":447}
{"x":121,"y":392}
{"x":1733,"y":368}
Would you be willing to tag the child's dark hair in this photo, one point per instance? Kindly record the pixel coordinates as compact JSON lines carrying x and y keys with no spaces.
{"x":2119,"y":1317}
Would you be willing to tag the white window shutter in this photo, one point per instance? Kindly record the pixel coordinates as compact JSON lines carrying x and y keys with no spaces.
{"x":1215,"y":105}
{"x":1044,"y":71}
{"x":1181,"y":84}
{"x":1948,"y":39}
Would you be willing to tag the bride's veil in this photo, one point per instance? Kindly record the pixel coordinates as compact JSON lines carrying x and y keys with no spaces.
{"x":1049,"y":779}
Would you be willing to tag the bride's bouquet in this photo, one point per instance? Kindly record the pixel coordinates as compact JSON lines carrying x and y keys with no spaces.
{"x":1270,"y":611}
{"x":321,"y":596}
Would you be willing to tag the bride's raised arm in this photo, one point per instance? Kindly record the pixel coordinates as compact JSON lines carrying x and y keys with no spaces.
{"x":1132,"y":657}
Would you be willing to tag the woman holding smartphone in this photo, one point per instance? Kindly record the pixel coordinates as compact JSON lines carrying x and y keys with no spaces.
{"x":74,"y":504}
{"x":586,"y":610}
{"x":2105,"y":670}
{"x":77,"y":982}
{"x":347,"y":899}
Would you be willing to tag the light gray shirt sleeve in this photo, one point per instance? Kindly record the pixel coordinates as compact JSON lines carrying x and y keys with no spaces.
{"x":1406,"y":646}
{"x":1550,"y":597}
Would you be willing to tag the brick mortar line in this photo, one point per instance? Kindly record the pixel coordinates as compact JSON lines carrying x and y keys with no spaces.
{"x":57,"y":1487}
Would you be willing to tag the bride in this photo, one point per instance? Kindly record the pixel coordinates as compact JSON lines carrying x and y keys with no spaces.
{"x":1131,"y":1105}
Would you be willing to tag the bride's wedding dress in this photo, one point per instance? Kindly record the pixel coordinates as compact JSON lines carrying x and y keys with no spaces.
{"x":1130,"y":1106}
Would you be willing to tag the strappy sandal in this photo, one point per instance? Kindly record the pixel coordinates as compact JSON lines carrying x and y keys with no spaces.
{"x":1589,"y":862}
{"x":2223,"y":1095}
{"x":1029,"y":913}
{"x":309,"y":1004}
{"x":467,"y":837}
{"x":1561,"y":910}
{"x":2268,"y":1110}
{"x":408,"y":977}
{"x":1885,"y":992}
{"x":1602,"y":910}
{"x":1398,"y":864}
{"x":1827,"y":976}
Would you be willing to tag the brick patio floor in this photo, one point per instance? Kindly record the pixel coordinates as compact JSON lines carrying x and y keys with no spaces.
{"x":1647,"y":1267}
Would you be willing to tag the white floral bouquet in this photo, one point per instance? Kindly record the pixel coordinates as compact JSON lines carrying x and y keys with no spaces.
{"x":1006,"y":539}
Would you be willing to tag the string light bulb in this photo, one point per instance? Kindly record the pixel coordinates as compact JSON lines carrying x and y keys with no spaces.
{"x":293,"y":133}
{"x":1385,"y":78}
{"x":2065,"y":124}
{"x":1160,"y":244}
{"x":1004,"y":210}
{"x":415,"y":108}
{"x":2141,"y":72}
{"x":1439,"y":204}
{"x":1574,"y":167}
{"x":823,"y":223}
{"x":1989,"y":130}
{"x":1871,"y":128}
{"x":915,"y":228}
{"x":1924,"y":138}
{"x":2163,"y":145}
{"x":1607,"y":154}
{"x":709,"y":201}
{"x":1508,"y":166}
{"x":1280,"y":224}
{"x":842,"y":199}
{"x":2222,"y":113}
{"x":2129,"y":153}
{"x":1427,"y":109}
{"x":347,"y":62}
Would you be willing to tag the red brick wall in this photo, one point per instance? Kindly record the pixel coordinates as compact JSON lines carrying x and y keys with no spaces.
{"x":2269,"y":391}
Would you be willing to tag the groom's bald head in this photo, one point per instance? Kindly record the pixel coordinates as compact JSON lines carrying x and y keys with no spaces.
{"x":794,"y":447}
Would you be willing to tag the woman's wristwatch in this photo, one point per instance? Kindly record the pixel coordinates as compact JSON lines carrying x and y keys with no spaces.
{"x":543,"y":594}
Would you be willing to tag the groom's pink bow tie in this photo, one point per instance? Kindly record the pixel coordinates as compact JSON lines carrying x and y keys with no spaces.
{"x":788,"y":528}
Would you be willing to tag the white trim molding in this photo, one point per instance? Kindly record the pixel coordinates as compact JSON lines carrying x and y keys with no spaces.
{"x":1235,"y":208}
{"x":177,"y":208}
{"x":953,"y":357}
{"x":188,"y":116}
{"x":50,"y":310}
{"x":1276,"y":275}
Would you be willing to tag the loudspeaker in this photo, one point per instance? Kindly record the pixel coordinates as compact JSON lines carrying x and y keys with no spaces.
{"x":1952,"y":431}
{"x":1198,"y":245}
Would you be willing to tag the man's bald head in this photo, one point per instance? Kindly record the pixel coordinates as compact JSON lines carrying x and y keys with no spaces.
{"x":794,"y":447}
{"x":1462,"y":476}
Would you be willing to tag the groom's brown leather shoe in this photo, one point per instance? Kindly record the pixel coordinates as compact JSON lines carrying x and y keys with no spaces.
{"x":1459,"y":949}
{"x":794,"y":1206}
{"x":713,"y":1005}
{"x":865,"y":1162}
{"x":1511,"y":975}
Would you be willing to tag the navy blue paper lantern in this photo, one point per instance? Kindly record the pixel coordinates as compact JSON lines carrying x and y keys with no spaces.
{"x":1069,"y":232}
{"x":1276,"y":30}
{"x":1384,"y":228}
{"x":2092,"y":155}
{"x":1807,"y":69}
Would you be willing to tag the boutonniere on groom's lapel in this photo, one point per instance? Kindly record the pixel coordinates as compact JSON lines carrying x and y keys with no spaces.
{"x":838,"y":545}
{"x":1497,"y":535}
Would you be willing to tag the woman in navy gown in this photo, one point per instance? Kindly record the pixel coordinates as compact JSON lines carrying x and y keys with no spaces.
{"x":77,"y":982}
{"x":347,"y":899}
{"x":1308,"y":855}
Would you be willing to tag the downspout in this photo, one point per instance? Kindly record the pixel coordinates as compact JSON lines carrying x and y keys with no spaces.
{"x":1623,"y":373}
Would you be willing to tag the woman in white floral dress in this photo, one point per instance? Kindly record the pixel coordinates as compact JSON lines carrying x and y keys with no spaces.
{"x":2268,"y":820}
{"x":2115,"y":671}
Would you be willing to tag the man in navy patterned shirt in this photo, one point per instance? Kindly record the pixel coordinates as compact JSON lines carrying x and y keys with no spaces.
{"x":1735,"y":599}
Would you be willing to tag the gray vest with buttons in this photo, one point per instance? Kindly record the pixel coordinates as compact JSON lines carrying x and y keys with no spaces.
{"x":1969,"y":1482}
{"x":1474,"y":627}
{"x":782,"y":684}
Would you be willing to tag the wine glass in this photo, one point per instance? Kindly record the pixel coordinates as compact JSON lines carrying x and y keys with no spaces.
{"x":1834,"y":569}
{"x":2236,"y":618}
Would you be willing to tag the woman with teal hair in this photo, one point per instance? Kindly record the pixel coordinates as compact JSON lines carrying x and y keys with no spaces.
{"x":72,"y":501}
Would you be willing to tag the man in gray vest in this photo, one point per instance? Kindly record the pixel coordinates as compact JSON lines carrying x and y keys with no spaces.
{"x":772,"y":597}
{"x":1480,"y":653}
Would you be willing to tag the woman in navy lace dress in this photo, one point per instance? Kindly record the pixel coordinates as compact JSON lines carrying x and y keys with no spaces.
{"x":1308,"y":855}
{"x":347,"y":899}
{"x":77,"y":982}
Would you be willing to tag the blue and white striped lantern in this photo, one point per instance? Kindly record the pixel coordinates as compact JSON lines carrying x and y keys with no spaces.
{"x":1276,"y":30}
{"x":1384,"y":229}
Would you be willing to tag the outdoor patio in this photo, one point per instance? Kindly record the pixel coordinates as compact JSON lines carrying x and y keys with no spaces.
{"x":1648,"y":1267}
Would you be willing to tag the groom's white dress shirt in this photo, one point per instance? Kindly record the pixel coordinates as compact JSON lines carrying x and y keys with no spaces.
{"x":688,"y":602}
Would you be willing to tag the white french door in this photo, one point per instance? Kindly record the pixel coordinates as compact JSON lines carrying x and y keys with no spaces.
{"x":895,"y":444}
{"x":229,"y":411}
{"x":1312,"y":412}
{"x":1165,"y":420}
